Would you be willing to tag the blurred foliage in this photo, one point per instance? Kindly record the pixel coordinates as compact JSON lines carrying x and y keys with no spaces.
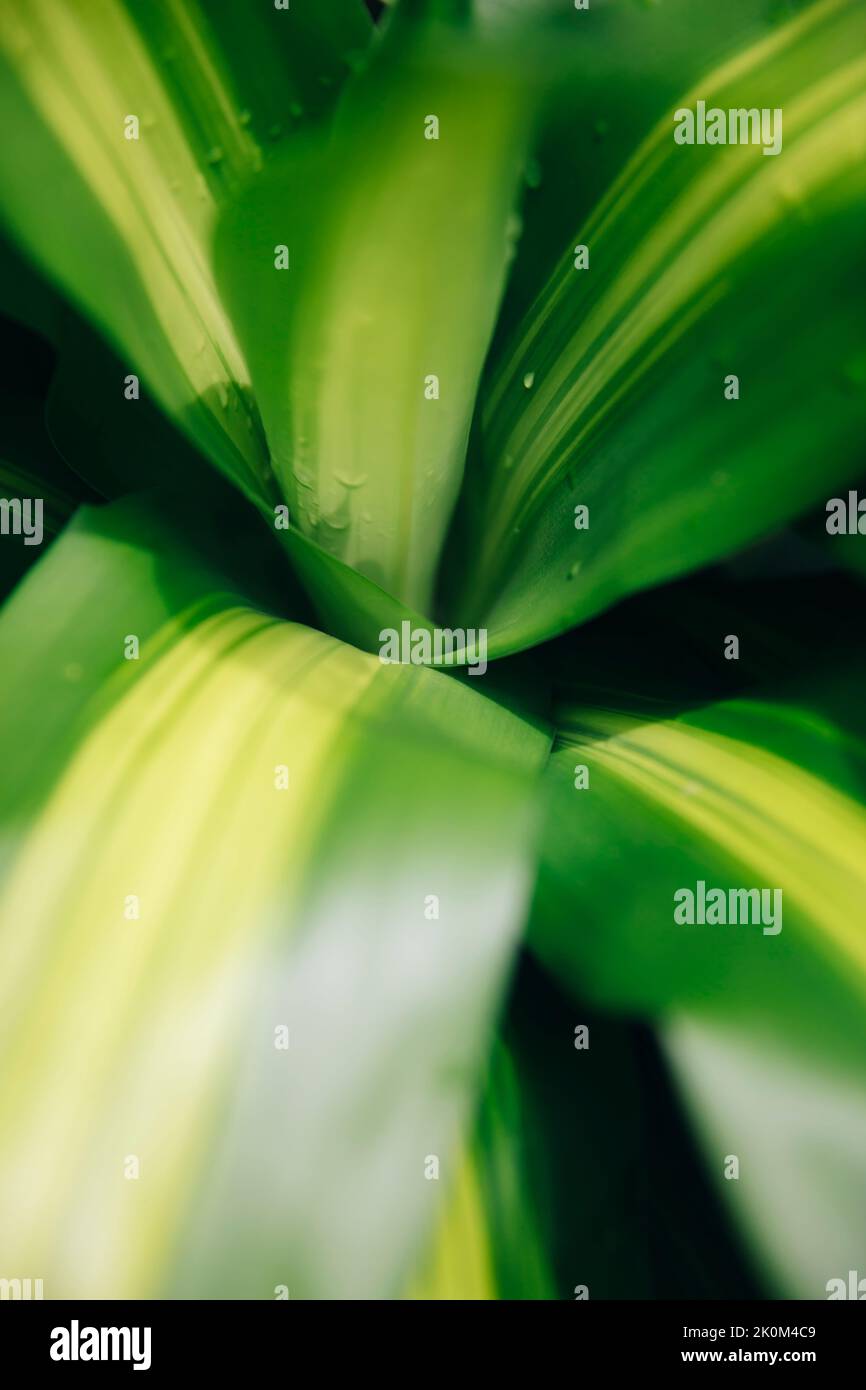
{"x":430,"y":906}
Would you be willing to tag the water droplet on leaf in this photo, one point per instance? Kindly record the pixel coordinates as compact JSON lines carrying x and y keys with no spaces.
{"x":513,"y":232}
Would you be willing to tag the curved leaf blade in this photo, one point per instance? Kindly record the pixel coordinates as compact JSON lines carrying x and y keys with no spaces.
{"x":258,"y":908}
{"x":798,"y":1129}
{"x":744,"y":794}
{"x":611,"y":394}
{"x":366,"y":349}
{"x":135,"y":250}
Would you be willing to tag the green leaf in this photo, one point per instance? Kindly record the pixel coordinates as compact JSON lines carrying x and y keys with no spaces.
{"x":488,"y":1243}
{"x":761,"y":791}
{"x":617,"y":1183}
{"x":134,"y":248}
{"x":155,"y":1037}
{"x":347,"y":604}
{"x":582,"y":1171}
{"x":611,"y":393}
{"x":398,"y":247}
{"x":506,"y":12}
{"x":279,"y":69}
{"x":798,"y":1129}
{"x":684,"y":797}
{"x":621,"y":68}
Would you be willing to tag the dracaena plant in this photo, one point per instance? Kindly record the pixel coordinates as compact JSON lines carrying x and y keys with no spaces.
{"x":328,"y":976}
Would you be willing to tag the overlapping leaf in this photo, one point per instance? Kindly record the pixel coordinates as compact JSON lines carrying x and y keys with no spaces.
{"x":754,"y":792}
{"x":167,"y":906}
{"x":366,"y":349}
{"x":610,"y":395}
{"x":133,"y":248}
{"x":310,"y":908}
